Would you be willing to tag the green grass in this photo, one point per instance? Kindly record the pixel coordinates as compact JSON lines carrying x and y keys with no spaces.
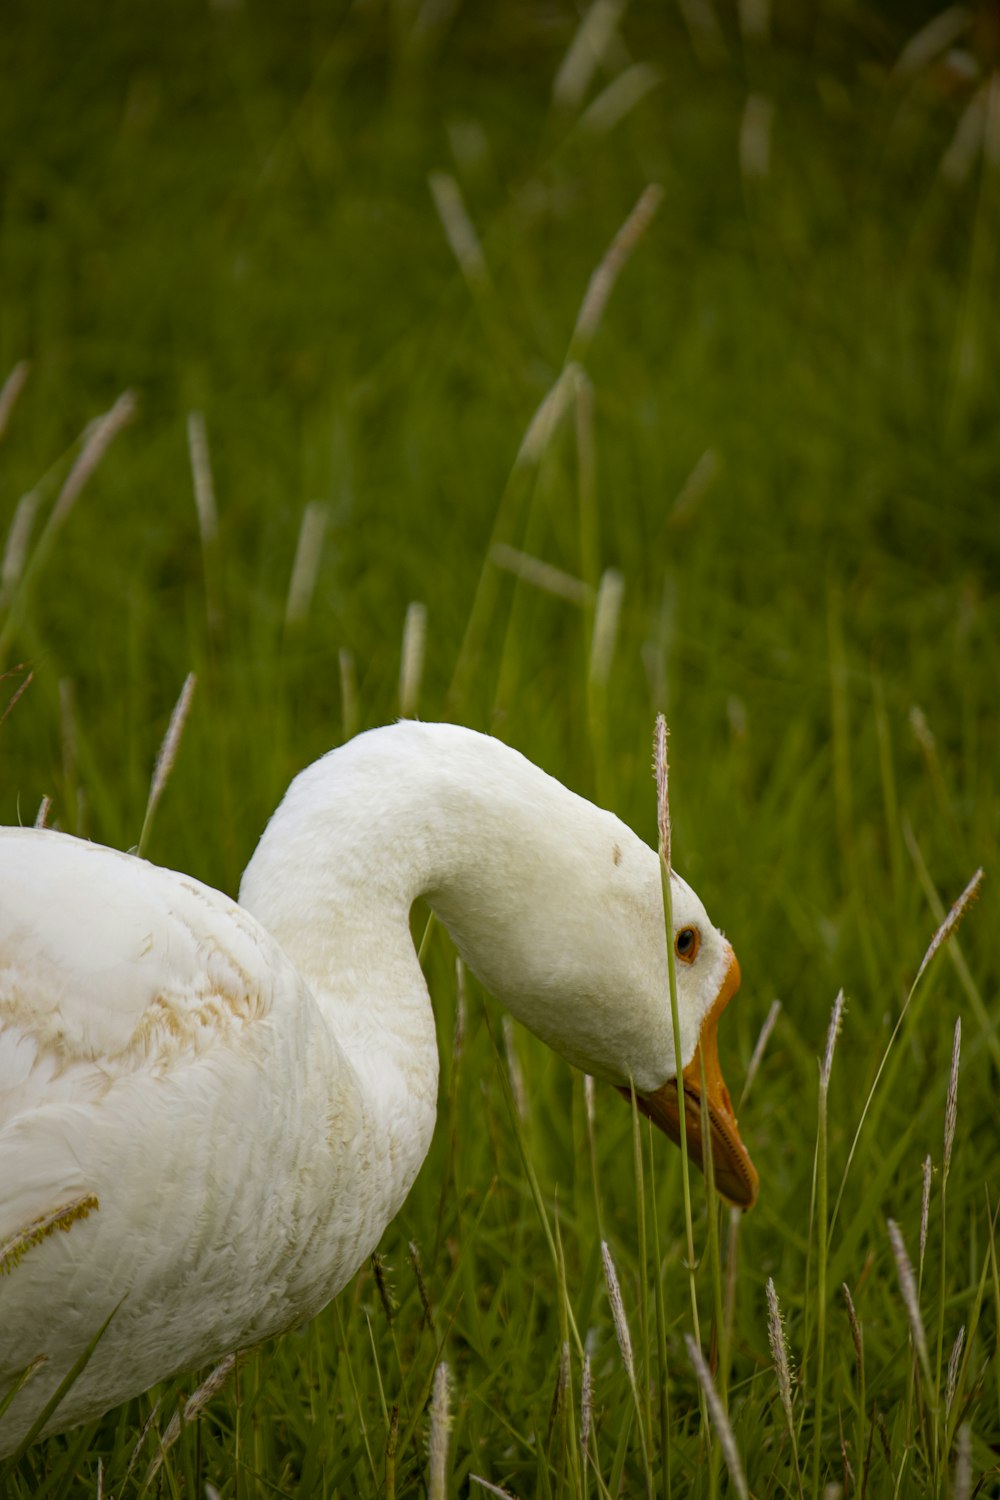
{"x":782,"y":436}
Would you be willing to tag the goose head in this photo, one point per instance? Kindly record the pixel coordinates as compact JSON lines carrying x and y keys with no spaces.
{"x":708,"y":976}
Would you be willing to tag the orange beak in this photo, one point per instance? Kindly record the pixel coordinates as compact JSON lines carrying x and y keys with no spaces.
{"x":736,"y":1177}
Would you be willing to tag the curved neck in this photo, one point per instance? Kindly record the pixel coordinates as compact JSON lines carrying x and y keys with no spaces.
{"x":554,"y":904}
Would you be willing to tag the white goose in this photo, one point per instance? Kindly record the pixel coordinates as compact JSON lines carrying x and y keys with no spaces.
{"x":209,"y":1112}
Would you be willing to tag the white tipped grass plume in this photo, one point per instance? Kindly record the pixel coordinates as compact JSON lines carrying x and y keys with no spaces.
{"x":607,"y":612}
{"x":661,"y":774}
{"x":820,"y":1180}
{"x":951,"y":1107}
{"x":720,"y":1420}
{"x":696,"y":486}
{"x":167,"y":756}
{"x":955,"y":914}
{"x":18,"y":542}
{"x":927,"y":1172}
{"x":757,"y":1056}
{"x":350,"y":717}
{"x":962,"y":1486}
{"x":945,"y":930}
{"x":459,"y":230}
{"x":586,"y":52}
{"x":411,"y":664}
{"x":438,"y":1435}
{"x":190,"y":1410}
{"x":514,"y":1072}
{"x":603,"y":279}
{"x":618,"y":1312}
{"x":586,"y":1406}
{"x":954,"y":1364}
{"x":95,"y":440}
{"x":908,"y":1289}
{"x":201,"y":477}
{"x":756,"y":129}
{"x":540,"y":574}
{"x":619,"y":98}
{"x":11,"y":389}
{"x":305,"y":568}
{"x":782,"y":1367}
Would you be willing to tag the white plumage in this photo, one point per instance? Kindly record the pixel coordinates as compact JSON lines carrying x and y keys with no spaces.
{"x":209,"y":1112}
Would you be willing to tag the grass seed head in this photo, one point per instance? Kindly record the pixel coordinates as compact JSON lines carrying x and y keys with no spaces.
{"x":954,"y":1362}
{"x":855,"y":1325}
{"x":779,"y":1349}
{"x":925,"y":1206}
{"x":833,"y":1031}
{"x":411,"y":666}
{"x":951,"y":921}
{"x":661,"y":771}
{"x":727,"y":1440}
{"x":908,"y":1287}
{"x":437,"y":1448}
{"x":618,"y":1311}
{"x":963,"y":1464}
{"x":586,"y":1405}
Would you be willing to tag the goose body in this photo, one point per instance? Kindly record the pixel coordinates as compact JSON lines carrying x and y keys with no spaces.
{"x":210,"y":1111}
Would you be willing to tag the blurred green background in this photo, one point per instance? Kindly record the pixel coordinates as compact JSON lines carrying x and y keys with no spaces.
{"x":356,"y":239}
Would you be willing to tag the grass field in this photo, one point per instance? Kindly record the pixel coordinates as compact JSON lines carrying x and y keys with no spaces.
{"x":341,"y":255}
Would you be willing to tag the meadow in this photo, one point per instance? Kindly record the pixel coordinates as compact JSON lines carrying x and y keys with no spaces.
{"x":543,"y":368}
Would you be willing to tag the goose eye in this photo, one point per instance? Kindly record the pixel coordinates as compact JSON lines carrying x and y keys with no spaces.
{"x":686,"y":944}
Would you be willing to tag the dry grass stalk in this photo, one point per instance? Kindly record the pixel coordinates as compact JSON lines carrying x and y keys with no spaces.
{"x":618,"y":1312}
{"x":720,"y":1420}
{"x":440,"y":1427}
{"x":588,"y":1099}
{"x":908,"y":1287}
{"x":540,"y":574}
{"x":951,"y":921}
{"x":607,"y":612}
{"x":167,"y":754}
{"x":411,"y":664}
{"x":305,"y":568}
{"x":602,"y":282}
{"x":42,"y":815}
{"x":12,"y":388}
{"x":951,"y":1108}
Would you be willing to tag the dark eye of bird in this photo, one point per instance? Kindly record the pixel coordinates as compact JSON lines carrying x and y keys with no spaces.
{"x":686,"y":944}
